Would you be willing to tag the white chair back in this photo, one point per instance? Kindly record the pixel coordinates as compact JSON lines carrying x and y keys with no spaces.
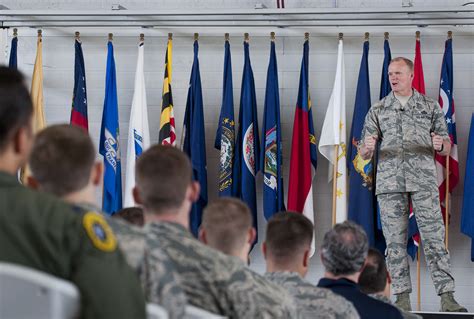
{"x":154,"y":311}
{"x":198,"y":313}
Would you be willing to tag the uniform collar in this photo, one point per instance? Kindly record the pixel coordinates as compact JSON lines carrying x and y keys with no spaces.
{"x":391,"y":99}
{"x":328,"y":283}
{"x":7,"y":179}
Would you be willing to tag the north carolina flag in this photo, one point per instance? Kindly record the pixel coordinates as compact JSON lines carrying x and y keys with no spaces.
{"x":138,"y":132}
{"x":79,"y":95}
{"x":334,"y":133}
{"x":303,"y":160}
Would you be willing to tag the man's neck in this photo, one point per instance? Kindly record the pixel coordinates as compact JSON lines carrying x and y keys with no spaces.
{"x":354,"y":277}
{"x":172,"y":216}
{"x":9,"y":164}
{"x":273,"y":267}
{"x":83,"y":196}
{"x":405,"y":94}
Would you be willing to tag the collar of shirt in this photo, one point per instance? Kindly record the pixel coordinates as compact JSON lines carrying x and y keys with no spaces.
{"x":7,"y":179}
{"x":169,"y":226}
{"x":329,"y":283}
{"x":284,"y":274}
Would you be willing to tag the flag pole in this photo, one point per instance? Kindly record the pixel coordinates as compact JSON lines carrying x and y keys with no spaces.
{"x":446,"y":214}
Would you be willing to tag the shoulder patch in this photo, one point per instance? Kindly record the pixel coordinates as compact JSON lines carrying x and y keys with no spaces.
{"x":99,"y":232}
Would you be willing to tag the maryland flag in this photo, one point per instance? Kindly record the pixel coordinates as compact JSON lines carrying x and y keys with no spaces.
{"x":167,"y":127}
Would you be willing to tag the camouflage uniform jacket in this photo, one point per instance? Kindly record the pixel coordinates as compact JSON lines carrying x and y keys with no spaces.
{"x":312,"y":301}
{"x":215,"y":282}
{"x":405,"y":157}
{"x":405,"y":314}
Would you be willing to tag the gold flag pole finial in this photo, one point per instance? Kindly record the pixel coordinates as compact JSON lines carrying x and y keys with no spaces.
{"x":366,"y":36}
{"x":40,"y":33}
{"x":226,"y":36}
{"x":306,"y":36}
{"x":196,"y":36}
{"x":170,"y":36}
{"x":417,"y":34}
{"x":15,"y":32}
{"x":246,"y":37}
{"x":142,"y":37}
{"x":385,"y":35}
{"x":450,"y":34}
{"x":111,"y":36}
{"x":341,"y":36}
{"x":272,"y":36}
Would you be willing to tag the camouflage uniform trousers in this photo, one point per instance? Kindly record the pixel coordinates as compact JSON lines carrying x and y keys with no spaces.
{"x":394,"y":216}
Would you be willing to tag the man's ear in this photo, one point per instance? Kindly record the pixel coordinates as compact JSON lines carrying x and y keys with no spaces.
{"x":97,"y":173}
{"x":193,"y":192}
{"x":202,"y":235}
{"x":306,"y":257}
{"x":23,"y":141}
{"x":31,"y":182}
{"x":264,"y":250}
{"x":252,"y":234}
{"x":136,"y":195}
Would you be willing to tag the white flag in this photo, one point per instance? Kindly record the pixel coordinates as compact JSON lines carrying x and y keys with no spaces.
{"x":138,"y":132}
{"x":334,"y":133}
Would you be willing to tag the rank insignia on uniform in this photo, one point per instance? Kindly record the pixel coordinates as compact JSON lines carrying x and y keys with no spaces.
{"x":99,"y":232}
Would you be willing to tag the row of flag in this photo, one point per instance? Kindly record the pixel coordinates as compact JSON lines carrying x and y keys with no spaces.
{"x":242,"y":155}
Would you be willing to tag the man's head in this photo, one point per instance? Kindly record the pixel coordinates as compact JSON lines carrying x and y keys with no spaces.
{"x":16,"y":114}
{"x":164,"y":182}
{"x":63,"y":161}
{"x":288,"y":243}
{"x":374,"y":279}
{"x":227,"y":226}
{"x":133,"y":215}
{"x":344,"y":250}
{"x":400,"y":73}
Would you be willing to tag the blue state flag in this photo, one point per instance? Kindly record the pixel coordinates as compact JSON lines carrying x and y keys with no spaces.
{"x":194,"y":142}
{"x":13,"y":61}
{"x":225,"y":135}
{"x":467,"y":215}
{"x":385,"y":87}
{"x":362,"y":207}
{"x":271,"y":156}
{"x":247,"y":150}
{"x":109,"y":145}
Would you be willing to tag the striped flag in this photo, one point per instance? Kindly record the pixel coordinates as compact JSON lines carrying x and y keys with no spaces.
{"x":167,"y":135}
{"x":334,"y":133}
{"x":138,"y":132}
{"x":79,"y":95}
{"x":446,"y":101}
{"x":303,"y":160}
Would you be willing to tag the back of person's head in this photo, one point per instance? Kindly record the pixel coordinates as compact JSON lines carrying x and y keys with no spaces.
{"x":373,"y":278}
{"x":226,"y":225}
{"x":62,"y":159}
{"x":16,"y":108}
{"x":163,"y":175}
{"x":344,"y":249}
{"x":288,"y":238}
{"x":133,"y":215}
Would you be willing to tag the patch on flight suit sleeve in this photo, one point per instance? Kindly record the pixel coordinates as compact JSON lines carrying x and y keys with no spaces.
{"x":99,"y":232}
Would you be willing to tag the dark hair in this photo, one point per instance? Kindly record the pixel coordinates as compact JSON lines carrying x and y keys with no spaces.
{"x":344,"y":249}
{"x":62,"y":159}
{"x":373,"y":278}
{"x":163,"y":174}
{"x":226,"y":221}
{"x":408,"y":62}
{"x":16,"y":108}
{"x":133,"y":215}
{"x":288,"y":235}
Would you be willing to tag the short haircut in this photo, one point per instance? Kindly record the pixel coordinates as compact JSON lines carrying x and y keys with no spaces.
{"x":163,"y":175}
{"x":288,"y":235}
{"x":408,"y":62}
{"x":133,"y":215}
{"x":373,"y":278}
{"x":16,"y":108}
{"x":227,"y":222}
{"x":62,"y":159}
{"x":344,"y":249}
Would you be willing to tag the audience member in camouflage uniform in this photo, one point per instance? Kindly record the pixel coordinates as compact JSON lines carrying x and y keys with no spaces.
{"x":212,"y":281}
{"x":375,"y":280}
{"x":286,"y":250}
{"x":410,"y":128}
{"x":63,"y":163}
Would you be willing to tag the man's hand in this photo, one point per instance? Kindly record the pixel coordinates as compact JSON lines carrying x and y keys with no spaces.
{"x":437,"y":142}
{"x":367,"y":149}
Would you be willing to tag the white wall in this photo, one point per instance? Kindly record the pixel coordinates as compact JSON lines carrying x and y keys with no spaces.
{"x":58,"y":59}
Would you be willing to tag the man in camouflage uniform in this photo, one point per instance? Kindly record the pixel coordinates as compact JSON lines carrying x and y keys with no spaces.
{"x":410,"y":128}
{"x":39,"y":231}
{"x":212,"y":281}
{"x":286,"y":250}
{"x":63,"y":163}
{"x":375,"y":280}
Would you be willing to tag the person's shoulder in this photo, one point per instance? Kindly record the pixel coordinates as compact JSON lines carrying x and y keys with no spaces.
{"x":389,"y":310}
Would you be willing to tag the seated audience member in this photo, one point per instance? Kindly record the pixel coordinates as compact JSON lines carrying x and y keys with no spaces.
{"x":375,"y":280}
{"x":343,"y":255}
{"x":287,"y":251}
{"x":63,"y":163}
{"x":133,"y":215}
{"x":39,"y":231}
{"x":227,"y":227}
{"x":212,"y":281}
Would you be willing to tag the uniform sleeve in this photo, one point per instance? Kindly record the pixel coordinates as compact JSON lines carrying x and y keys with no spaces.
{"x":439,"y":126}
{"x":371,"y":125}
{"x":109,"y":287}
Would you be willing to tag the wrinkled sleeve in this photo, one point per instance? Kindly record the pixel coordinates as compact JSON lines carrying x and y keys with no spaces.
{"x":371,"y":125}
{"x":439,"y":126}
